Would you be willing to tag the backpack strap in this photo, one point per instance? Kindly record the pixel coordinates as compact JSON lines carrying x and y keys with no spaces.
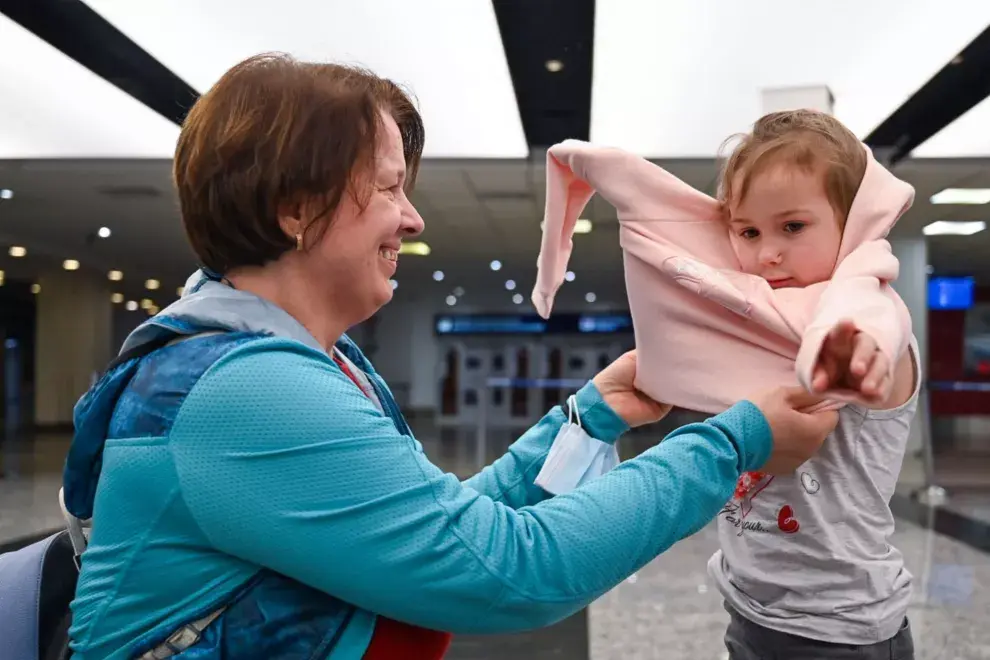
{"x":147,"y":348}
{"x":75,"y":528}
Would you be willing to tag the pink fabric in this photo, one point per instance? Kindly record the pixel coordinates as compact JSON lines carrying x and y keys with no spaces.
{"x":707,"y":334}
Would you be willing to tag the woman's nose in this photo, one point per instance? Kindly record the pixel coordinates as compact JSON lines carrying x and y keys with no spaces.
{"x":412,"y":222}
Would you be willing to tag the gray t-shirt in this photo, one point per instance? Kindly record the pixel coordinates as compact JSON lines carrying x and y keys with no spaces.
{"x":808,"y":554}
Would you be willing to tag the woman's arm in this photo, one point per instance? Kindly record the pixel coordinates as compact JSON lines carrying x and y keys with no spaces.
{"x":510,"y":478}
{"x":283,"y":463}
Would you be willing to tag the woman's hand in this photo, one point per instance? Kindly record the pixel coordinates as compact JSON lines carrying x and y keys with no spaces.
{"x":797,"y":435}
{"x":615,"y":383}
{"x":851,"y":360}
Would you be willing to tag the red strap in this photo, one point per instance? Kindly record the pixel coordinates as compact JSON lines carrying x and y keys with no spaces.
{"x":347,"y":371}
{"x":394,"y":639}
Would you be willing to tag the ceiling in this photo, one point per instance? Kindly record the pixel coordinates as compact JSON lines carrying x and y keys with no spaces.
{"x":476,"y":211}
{"x":93,"y":92}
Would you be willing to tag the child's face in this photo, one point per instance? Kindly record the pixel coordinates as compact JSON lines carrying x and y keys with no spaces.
{"x":785,"y":230}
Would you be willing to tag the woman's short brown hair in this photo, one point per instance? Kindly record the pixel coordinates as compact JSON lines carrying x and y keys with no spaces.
{"x":275,"y":130}
{"x":808,"y":139}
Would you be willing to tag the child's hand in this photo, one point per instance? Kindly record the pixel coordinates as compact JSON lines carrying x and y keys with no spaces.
{"x":851,"y":360}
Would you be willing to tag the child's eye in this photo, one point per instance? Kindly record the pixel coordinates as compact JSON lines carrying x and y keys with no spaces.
{"x":749,"y":233}
{"x":794,"y":227}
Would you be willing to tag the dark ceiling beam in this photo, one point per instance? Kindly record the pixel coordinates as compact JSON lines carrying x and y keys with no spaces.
{"x":958,"y":87}
{"x":553,"y":105}
{"x":77,"y":31}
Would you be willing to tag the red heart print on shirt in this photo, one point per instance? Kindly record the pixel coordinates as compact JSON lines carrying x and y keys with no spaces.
{"x":786,"y":521}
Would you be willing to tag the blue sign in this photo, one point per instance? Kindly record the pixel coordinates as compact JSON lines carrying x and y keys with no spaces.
{"x":950,"y":293}
{"x":532,"y":324}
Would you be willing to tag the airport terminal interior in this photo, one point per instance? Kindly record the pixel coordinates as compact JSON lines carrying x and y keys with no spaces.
{"x":92,"y":97}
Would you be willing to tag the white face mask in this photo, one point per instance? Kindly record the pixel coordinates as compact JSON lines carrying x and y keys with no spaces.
{"x":575,"y":458}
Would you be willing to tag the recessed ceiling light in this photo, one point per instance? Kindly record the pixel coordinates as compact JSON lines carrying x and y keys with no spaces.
{"x":146,"y":303}
{"x":451,"y":300}
{"x":6,"y":193}
{"x":179,"y":291}
{"x":394,"y":283}
{"x":582,"y":226}
{"x":962,"y":196}
{"x":17,"y":251}
{"x":151,"y":285}
{"x":569,"y":276}
{"x":70,"y":264}
{"x":510,"y":285}
{"x":103,"y":232}
{"x":115,"y":276}
{"x":517,"y":298}
{"x":459,"y":291}
{"x":417,"y":247}
{"x":949,"y":228}
{"x":35,"y":288}
{"x":553,"y":66}
{"x":590,"y":297}
{"x":153,"y":310}
{"x":438,"y":275}
{"x":117,"y":298}
{"x":495,"y":265}
{"x":131,"y":306}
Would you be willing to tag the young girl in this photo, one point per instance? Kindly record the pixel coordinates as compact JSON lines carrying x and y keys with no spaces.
{"x":805,"y":565}
{"x":786,"y":276}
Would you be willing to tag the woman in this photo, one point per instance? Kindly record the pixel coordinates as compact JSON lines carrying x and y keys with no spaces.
{"x":253,"y":487}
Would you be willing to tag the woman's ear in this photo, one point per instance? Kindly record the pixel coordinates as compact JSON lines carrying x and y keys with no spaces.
{"x":290,"y":219}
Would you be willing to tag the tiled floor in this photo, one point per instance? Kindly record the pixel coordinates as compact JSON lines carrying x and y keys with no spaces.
{"x":669,"y":610}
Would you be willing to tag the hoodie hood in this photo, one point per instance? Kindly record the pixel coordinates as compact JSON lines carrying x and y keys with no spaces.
{"x":207,"y":305}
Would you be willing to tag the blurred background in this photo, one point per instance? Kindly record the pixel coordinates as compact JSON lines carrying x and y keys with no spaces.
{"x":92,"y":93}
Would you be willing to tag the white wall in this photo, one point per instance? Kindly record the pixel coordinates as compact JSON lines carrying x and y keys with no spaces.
{"x":912,"y":286}
{"x":72,"y":342}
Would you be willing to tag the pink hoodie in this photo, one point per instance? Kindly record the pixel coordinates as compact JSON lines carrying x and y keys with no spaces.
{"x":707,"y":334}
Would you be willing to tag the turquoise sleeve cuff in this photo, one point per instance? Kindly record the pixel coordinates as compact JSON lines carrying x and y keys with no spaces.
{"x":747,"y":425}
{"x":597,"y":417}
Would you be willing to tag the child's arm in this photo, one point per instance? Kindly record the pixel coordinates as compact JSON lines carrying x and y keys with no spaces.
{"x":860,"y":330}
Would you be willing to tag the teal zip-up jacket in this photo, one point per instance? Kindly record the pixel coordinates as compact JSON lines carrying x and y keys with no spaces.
{"x":242,"y":469}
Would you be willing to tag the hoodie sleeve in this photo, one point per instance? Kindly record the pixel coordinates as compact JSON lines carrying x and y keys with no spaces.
{"x":575,"y":172}
{"x":859,"y":291}
{"x":305,"y":476}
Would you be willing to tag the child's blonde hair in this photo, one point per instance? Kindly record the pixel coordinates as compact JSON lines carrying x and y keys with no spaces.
{"x":807,"y":139}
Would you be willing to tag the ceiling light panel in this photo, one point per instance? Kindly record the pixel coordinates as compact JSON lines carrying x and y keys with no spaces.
{"x":675,"y":79}
{"x":460,"y":76}
{"x":53,"y":107}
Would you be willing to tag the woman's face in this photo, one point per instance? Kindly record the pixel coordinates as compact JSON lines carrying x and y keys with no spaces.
{"x":358,"y":254}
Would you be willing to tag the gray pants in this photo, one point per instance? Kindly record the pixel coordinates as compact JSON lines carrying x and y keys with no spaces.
{"x":746,"y":640}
